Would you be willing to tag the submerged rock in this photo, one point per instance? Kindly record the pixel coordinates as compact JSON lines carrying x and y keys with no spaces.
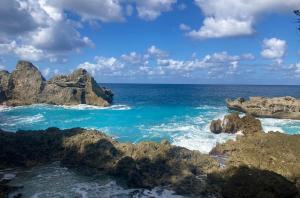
{"x":278,"y":107}
{"x":26,"y":86}
{"x":232,"y":123}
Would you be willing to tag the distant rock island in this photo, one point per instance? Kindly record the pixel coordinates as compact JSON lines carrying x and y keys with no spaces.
{"x":26,"y":86}
{"x":278,"y":107}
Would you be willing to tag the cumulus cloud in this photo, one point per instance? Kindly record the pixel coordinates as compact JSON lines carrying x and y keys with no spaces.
{"x":274,"y":49}
{"x":151,"y":9}
{"x":104,"y":10}
{"x":235,"y":17}
{"x":156,"y":63}
{"x":27,"y":52}
{"x":14,"y":19}
{"x":155,"y":52}
{"x":102,"y":64}
{"x":35,"y":29}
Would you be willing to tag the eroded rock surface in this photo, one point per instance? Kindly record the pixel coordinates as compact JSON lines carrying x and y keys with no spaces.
{"x":232,"y":123}
{"x":278,"y":107}
{"x":26,"y":85}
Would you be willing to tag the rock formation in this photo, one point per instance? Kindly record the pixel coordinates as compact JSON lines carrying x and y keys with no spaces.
{"x":278,"y":107}
{"x":26,"y":85}
{"x":271,"y":151}
{"x":261,"y":165}
{"x":232,"y":123}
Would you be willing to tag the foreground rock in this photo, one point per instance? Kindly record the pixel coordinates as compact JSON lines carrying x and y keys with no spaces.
{"x":271,"y":151}
{"x":26,"y":85}
{"x":149,"y":164}
{"x":278,"y":107}
{"x":145,"y":165}
{"x":232,"y":123}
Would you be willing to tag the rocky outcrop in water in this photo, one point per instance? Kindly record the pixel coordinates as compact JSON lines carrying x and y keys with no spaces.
{"x":278,"y":107}
{"x":232,"y":123}
{"x":26,"y":85}
{"x":261,"y":165}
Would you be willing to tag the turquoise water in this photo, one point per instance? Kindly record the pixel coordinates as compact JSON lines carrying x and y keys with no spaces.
{"x":178,"y":113}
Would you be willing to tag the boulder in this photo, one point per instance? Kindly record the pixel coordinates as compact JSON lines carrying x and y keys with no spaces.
{"x":216,"y":126}
{"x":26,"y":86}
{"x":232,"y":123}
{"x":278,"y":107}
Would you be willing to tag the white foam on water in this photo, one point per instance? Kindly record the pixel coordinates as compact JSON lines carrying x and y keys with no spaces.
{"x":202,"y":139}
{"x":91,"y":107}
{"x":272,"y":124}
{"x":21,"y":120}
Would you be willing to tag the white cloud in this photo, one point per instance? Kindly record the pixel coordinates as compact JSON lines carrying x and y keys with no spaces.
{"x":102,"y":64}
{"x":217,"y":28}
{"x":274,"y":49}
{"x":235,"y":17}
{"x":104,"y":10}
{"x":151,"y":9}
{"x":184,"y":27}
{"x":27,"y":52}
{"x":155,"y":52}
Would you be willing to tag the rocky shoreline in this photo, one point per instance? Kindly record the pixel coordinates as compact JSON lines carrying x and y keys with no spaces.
{"x":26,"y":86}
{"x":271,"y":157}
{"x":278,"y":107}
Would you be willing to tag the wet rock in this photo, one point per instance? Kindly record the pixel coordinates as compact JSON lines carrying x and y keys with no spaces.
{"x":216,"y":126}
{"x":232,"y":123}
{"x":26,"y":86}
{"x":278,"y":107}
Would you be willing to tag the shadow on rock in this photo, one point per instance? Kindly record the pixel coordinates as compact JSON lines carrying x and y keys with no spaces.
{"x":245,"y":182}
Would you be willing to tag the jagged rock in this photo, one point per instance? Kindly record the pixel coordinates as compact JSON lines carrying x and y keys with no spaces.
{"x":232,"y":123}
{"x":271,"y":151}
{"x":26,"y":85}
{"x":145,"y":164}
{"x":278,"y":107}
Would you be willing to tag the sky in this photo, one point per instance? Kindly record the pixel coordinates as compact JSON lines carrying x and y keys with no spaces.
{"x":155,"y":41}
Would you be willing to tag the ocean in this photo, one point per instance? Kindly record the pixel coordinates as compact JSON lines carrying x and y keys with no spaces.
{"x":142,"y":112}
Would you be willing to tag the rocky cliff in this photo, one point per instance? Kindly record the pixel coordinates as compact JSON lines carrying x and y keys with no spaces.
{"x":26,"y":85}
{"x":278,"y":107}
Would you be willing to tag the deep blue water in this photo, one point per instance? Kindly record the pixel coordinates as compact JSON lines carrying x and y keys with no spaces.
{"x":142,"y":112}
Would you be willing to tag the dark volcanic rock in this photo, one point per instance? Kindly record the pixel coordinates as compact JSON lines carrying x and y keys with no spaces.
{"x":26,"y":85}
{"x":232,"y":123}
{"x":278,"y":107}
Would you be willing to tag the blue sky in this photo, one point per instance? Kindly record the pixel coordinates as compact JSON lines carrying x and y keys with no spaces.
{"x":155,"y":41}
